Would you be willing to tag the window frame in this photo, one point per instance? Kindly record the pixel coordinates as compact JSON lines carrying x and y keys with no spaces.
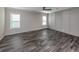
{"x":11,"y":21}
{"x":44,"y":22}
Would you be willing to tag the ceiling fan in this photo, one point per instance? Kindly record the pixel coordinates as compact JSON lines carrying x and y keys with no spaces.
{"x":46,"y":10}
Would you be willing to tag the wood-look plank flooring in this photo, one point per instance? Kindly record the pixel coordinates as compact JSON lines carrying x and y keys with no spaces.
{"x":45,"y":40}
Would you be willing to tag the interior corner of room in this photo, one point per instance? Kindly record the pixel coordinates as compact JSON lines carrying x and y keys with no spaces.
{"x":63,"y":19}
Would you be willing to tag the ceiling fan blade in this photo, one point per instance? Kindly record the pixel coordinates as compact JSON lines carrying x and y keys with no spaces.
{"x":44,"y":8}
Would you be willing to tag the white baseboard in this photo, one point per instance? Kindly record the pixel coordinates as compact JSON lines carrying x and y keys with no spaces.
{"x":65,"y":32}
{"x":23,"y":31}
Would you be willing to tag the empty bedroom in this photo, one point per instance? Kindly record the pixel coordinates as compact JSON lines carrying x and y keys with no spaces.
{"x":39,"y":29}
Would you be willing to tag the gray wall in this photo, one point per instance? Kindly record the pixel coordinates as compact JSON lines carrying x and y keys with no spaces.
{"x":65,"y":21}
{"x":2,"y":22}
{"x":29,"y":21}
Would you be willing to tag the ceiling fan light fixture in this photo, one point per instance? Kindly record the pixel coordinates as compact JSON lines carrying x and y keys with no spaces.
{"x":45,"y":10}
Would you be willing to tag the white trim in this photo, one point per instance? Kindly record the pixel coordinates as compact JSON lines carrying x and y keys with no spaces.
{"x":24,"y":31}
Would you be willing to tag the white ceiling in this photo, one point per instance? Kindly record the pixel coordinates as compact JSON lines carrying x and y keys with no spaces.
{"x":38,"y":9}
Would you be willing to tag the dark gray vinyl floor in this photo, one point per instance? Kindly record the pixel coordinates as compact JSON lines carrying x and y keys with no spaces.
{"x":45,"y":40}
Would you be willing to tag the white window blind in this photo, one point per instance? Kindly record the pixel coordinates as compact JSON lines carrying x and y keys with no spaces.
{"x":14,"y":21}
{"x":44,"y":20}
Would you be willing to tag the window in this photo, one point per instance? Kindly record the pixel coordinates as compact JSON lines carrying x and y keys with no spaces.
{"x":44,"y":20}
{"x":14,"y":21}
